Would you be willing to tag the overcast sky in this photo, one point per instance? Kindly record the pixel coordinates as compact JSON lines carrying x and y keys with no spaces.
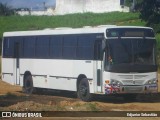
{"x":28,"y":3}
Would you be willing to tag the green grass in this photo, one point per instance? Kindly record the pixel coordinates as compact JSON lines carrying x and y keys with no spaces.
{"x":158,"y":41}
{"x":92,"y":107}
{"x":16,"y":23}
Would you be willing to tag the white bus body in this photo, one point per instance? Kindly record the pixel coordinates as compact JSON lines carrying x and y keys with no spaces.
{"x":62,"y":58}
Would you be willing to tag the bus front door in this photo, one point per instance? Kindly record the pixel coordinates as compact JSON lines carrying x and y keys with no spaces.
{"x":98,"y":70}
{"x":99,"y":76}
{"x":16,"y":61}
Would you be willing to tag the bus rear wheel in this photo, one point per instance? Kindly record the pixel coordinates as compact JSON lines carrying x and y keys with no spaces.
{"x":28,"y":84}
{"x":83,"y":90}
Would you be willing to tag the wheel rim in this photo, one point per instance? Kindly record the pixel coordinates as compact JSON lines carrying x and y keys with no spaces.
{"x":28,"y":87}
{"x":83,"y":90}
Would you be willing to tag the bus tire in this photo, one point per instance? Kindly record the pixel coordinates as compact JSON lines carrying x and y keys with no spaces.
{"x":83,"y":90}
{"x":28,"y":84}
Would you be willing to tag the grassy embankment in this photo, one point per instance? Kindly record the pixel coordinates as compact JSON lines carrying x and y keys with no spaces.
{"x":16,"y":23}
{"x":13,"y":23}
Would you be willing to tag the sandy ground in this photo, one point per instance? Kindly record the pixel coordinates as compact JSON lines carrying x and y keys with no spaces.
{"x":12,"y":99}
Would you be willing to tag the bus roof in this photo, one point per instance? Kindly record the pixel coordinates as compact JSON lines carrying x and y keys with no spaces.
{"x":66,"y":30}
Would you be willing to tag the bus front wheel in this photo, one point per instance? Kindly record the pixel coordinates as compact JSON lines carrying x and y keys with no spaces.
{"x":83,"y":90}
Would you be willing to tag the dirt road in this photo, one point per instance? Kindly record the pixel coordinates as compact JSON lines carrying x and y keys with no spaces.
{"x":12,"y":99}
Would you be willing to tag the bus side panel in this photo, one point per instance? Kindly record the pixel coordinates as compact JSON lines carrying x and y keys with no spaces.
{"x":8,"y":70}
{"x":56,"y":74}
{"x":85,"y":67}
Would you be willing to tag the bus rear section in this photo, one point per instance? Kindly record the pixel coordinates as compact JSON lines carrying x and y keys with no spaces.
{"x":53,"y":59}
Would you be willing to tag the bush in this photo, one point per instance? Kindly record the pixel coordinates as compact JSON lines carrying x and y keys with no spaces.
{"x":150,"y":13}
{"x":5,"y":10}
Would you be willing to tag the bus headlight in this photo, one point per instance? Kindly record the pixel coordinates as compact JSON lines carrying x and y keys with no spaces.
{"x":153,"y":81}
{"x":116,"y":82}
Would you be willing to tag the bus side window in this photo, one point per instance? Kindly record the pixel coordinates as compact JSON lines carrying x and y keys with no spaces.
{"x":9,"y":47}
{"x":69,"y":47}
{"x":42,"y":47}
{"x":5,"y":47}
{"x":85,"y":47}
{"x":29,"y":47}
{"x":56,"y":47}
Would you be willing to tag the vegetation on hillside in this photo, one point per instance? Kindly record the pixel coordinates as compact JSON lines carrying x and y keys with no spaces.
{"x":150,"y":13}
{"x":21,"y":23}
{"x":18,"y":23}
{"x":5,"y":10}
{"x":12,"y":23}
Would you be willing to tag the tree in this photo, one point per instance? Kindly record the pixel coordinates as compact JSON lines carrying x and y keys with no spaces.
{"x":138,"y":5}
{"x":133,"y":4}
{"x":150,"y":12}
{"x":130,"y":4}
{"x":5,"y":10}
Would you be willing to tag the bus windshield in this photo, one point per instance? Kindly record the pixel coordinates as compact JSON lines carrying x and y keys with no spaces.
{"x":130,"y":51}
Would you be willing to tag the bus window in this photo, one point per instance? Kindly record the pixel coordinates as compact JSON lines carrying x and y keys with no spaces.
{"x":29,"y":47}
{"x":56,"y":47}
{"x":42,"y":47}
{"x":69,"y":47}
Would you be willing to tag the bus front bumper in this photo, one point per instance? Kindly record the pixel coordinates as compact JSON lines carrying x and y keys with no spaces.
{"x":113,"y":89}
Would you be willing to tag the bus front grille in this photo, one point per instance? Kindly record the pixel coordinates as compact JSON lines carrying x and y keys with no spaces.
{"x":133,"y":89}
{"x":133,"y":79}
{"x":133,"y":82}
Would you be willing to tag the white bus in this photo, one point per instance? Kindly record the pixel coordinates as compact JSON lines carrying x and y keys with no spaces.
{"x":105,"y":60}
